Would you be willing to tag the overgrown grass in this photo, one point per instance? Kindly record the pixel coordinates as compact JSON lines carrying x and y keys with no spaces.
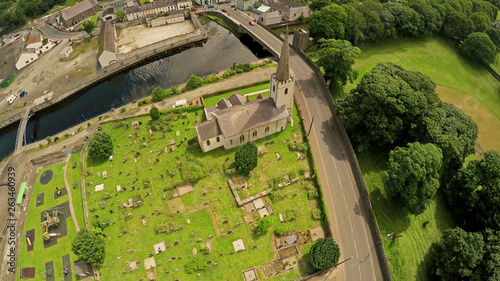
{"x":211,"y":207}
{"x":460,"y":81}
{"x":408,"y":248}
{"x":82,"y":47}
{"x":39,"y":256}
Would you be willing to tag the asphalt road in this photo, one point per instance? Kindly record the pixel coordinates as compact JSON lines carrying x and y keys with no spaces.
{"x":339,"y":187}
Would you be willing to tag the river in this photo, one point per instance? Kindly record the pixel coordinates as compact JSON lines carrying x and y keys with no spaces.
{"x":221,"y":50}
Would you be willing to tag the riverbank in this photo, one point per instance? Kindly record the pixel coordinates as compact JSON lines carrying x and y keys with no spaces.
{"x":73,"y":82}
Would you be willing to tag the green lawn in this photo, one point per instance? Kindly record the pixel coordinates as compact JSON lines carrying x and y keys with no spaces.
{"x":213,"y":100}
{"x":211,"y":207}
{"x":39,"y":256}
{"x":408,"y":249}
{"x":72,"y":176}
{"x":460,"y":81}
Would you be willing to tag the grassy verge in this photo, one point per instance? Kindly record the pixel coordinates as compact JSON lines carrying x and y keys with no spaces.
{"x":408,"y":248}
{"x":460,"y":81}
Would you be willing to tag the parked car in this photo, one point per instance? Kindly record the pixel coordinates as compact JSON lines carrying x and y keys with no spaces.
{"x":193,"y":9}
{"x":11,"y":99}
{"x":233,"y":5}
{"x":180,"y":103}
{"x":211,"y":6}
{"x":251,"y":23}
{"x":22,"y":94}
{"x":224,"y":10}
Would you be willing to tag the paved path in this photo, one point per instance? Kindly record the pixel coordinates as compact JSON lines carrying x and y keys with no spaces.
{"x":348,"y":219}
{"x":68,"y":189}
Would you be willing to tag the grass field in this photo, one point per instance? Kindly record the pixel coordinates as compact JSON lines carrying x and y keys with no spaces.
{"x":210,"y":207}
{"x":39,"y":256}
{"x":407,"y":250}
{"x":460,"y":81}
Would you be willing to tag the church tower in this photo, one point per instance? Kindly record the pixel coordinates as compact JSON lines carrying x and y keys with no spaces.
{"x":282,"y":84}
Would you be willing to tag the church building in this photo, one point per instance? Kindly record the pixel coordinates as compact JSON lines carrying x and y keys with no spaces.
{"x":235,"y":121}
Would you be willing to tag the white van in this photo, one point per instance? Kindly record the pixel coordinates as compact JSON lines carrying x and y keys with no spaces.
{"x":180,"y":103}
{"x":11,"y":99}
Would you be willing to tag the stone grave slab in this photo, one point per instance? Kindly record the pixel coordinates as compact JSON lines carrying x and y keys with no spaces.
{"x":258,"y":203}
{"x":261,"y":150}
{"x":99,"y":187}
{"x":238,"y":245}
{"x":184,"y":189}
{"x":263,"y":212}
{"x":118,"y":188}
{"x":132,"y":265}
{"x":159,"y":247}
{"x":250,"y":275}
{"x":104,"y":174}
{"x":149,"y":263}
{"x":249,"y":207}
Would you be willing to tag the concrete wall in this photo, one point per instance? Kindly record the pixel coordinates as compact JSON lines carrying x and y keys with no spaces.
{"x":234,"y":141}
{"x":213,"y":143}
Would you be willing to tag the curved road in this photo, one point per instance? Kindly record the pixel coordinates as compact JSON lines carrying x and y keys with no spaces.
{"x":348,"y":220}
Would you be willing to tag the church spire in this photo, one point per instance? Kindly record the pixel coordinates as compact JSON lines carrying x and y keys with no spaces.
{"x":283,"y":71}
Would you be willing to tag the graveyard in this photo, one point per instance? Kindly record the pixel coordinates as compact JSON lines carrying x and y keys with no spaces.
{"x":50,"y":229}
{"x":172,"y":212}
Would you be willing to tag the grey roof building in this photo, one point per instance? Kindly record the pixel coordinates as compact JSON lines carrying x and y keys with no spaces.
{"x":78,"y":12}
{"x":107,"y":45}
{"x":290,"y":10}
{"x":235,"y":121}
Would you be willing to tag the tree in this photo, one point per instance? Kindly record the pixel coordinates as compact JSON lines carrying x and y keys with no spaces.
{"x":370,"y":10}
{"x":88,"y":26}
{"x":48,"y":139}
{"x":355,"y":25}
{"x":457,"y":254}
{"x":387,"y":106}
{"x":489,"y":268}
{"x":481,"y":22}
{"x":246,"y":158}
{"x":324,"y":254}
{"x":317,"y":5}
{"x":478,"y":46}
{"x":194,"y":82}
{"x":328,"y":22}
{"x":263,"y":225}
{"x":430,"y":17}
{"x":458,"y":25}
{"x":155,"y":113}
{"x":450,"y":129}
{"x":89,"y":247}
{"x":494,"y":35}
{"x":100,"y":146}
{"x":399,"y":20}
{"x":414,"y":174}
{"x":337,"y":58}
{"x":475,"y":192}
{"x":120,"y":14}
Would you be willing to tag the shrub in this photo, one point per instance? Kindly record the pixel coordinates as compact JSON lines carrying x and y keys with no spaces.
{"x":193,"y":82}
{"x":263,"y":225}
{"x":246,"y":158}
{"x":123,"y":109}
{"x":196,"y":264}
{"x":229,"y":72}
{"x":80,"y":128}
{"x":100,"y":146}
{"x":158,"y":94}
{"x":325,"y":253}
{"x":279,"y":231}
{"x":48,"y":139}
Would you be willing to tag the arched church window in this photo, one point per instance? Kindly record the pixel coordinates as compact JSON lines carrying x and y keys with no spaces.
{"x":242,"y":138}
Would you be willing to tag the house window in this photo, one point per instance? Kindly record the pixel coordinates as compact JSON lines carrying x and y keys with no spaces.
{"x":231,"y":141}
{"x":254,"y":134}
{"x":242,"y":138}
{"x":274,"y":88}
{"x":218,"y":139}
{"x":282,"y":128}
{"x":208,"y":142}
{"x":286,"y":91}
{"x":267,"y":129}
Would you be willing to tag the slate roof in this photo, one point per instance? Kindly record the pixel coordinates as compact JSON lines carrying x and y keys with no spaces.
{"x":223,"y":104}
{"x":237,"y":99}
{"x":283,"y":70}
{"x":208,"y":129}
{"x":78,"y":8}
{"x":251,"y":115}
{"x":107,"y":42}
{"x":108,"y":11}
{"x":132,"y":10}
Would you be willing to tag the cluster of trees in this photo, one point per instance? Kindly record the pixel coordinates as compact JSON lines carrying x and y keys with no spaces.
{"x":324,"y":254}
{"x":10,"y":18}
{"x":160,"y":94}
{"x":89,"y":247}
{"x":371,"y":20}
{"x":392,"y":108}
{"x":100,"y":146}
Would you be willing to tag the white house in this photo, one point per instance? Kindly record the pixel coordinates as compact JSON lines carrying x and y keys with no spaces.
{"x":34,"y":41}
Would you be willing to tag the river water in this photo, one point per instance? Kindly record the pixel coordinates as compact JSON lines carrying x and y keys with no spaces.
{"x":221,"y":50}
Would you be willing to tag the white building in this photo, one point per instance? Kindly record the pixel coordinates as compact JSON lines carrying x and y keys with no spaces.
{"x":66,"y":52}
{"x":26,"y":59}
{"x":34,"y":41}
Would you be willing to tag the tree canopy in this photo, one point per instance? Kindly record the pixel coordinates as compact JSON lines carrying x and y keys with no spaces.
{"x":478,"y":46}
{"x":89,"y":247}
{"x":489,"y":268}
{"x":387,"y":105}
{"x":88,"y":26}
{"x":494,"y":35}
{"x":453,"y":131}
{"x":154,"y":113}
{"x":475,"y":192}
{"x":337,"y":58}
{"x":263,"y":225}
{"x":100,"y":145}
{"x":120,"y":14}
{"x":328,"y":23}
{"x":246,"y":158}
{"x":414,"y":174}
{"x":324,"y":254}
{"x":457,"y":254}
